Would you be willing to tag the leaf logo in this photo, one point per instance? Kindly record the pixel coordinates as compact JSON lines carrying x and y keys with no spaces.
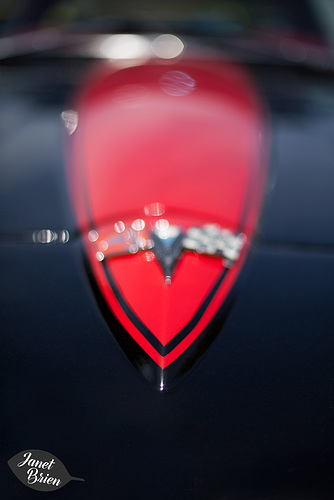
{"x":40,"y":470}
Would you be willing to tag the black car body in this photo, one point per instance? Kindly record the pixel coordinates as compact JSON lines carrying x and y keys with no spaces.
{"x":253,"y":419}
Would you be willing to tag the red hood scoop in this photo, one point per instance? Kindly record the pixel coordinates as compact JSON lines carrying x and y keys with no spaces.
{"x":167,"y":174}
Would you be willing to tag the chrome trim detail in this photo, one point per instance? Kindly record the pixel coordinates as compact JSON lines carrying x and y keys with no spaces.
{"x":167,"y":242}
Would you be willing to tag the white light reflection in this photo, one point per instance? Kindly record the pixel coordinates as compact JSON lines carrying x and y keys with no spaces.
{"x":71,"y":120}
{"x":162,"y":225}
{"x":155,"y":209}
{"x":212,"y":229}
{"x":165,"y":231}
{"x":133,"y":248}
{"x":149,"y":256}
{"x":177,"y":83}
{"x":141,"y":242}
{"x":44,"y":236}
{"x":125,"y":47}
{"x":100,"y":256}
{"x":104,"y":245}
{"x":162,"y":382}
{"x":138,"y":225}
{"x":119,"y":226}
{"x":64,"y":236}
{"x":167,"y":46}
{"x":93,"y":235}
{"x":242,"y":238}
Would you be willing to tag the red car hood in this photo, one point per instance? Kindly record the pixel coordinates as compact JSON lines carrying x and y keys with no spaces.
{"x":167,"y":175}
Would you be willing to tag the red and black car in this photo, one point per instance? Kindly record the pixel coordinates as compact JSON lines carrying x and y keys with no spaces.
{"x":167,"y":249}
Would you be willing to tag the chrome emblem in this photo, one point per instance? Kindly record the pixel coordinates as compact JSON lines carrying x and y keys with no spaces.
{"x":167,"y":242}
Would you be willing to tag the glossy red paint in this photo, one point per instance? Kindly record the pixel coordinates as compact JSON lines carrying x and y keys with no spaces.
{"x":177,"y":142}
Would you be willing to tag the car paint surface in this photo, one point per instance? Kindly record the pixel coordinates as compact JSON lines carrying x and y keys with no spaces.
{"x":254,"y":418}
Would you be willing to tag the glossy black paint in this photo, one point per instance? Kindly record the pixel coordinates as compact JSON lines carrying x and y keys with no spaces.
{"x":254,"y":418}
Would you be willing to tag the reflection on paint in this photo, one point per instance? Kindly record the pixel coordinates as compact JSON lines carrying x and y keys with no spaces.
{"x":177,"y":83}
{"x":125,"y":47}
{"x":71,"y":120}
{"x":155,"y":209}
{"x":167,"y":46}
{"x":46,"y":236}
{"x":100,"y":256}
{"x":93,"y":235}
{"x":119,"y":226}
{"x":138,"y":225}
